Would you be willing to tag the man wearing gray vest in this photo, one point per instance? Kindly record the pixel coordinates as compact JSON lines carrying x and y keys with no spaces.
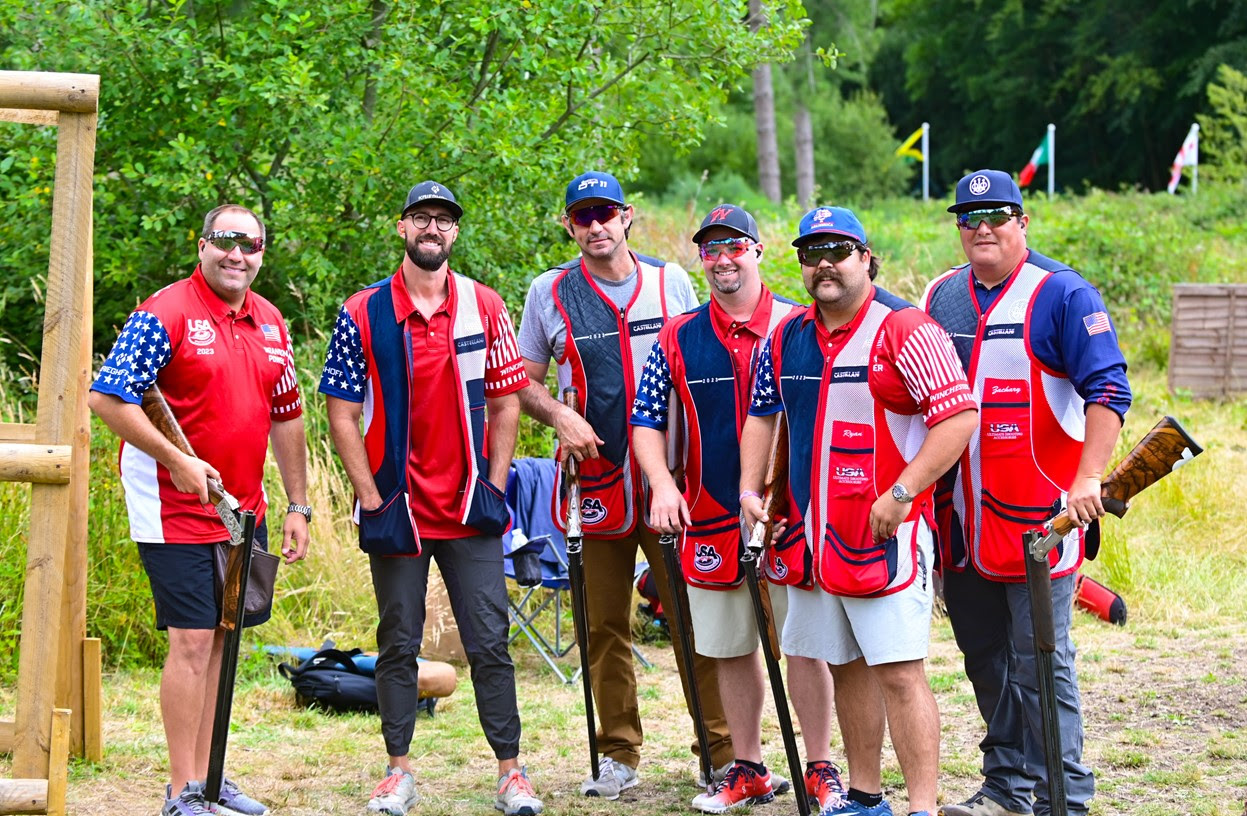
{"x":597,"y":317}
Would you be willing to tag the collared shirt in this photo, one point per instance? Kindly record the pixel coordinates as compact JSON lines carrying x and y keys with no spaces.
{"x":437,"y":465}
{"x":227,"y":375}
{"x":913,"y":366}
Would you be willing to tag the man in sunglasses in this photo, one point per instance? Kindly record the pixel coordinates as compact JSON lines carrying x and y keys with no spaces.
{"x":432,"y":355}
{"x":222,"y":357}
{"x":708,"y":357}
{"x":1042,"y":354}
{"x":597,"y":317}
{"x":877,"y":407}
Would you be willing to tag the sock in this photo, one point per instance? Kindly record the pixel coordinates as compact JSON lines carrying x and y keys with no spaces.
{"x":867,"y":799}
{"x":757,"y":767}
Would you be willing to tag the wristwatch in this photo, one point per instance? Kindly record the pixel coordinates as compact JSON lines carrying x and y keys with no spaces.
{"x":901,"y":494}
{"x":305,"y":509}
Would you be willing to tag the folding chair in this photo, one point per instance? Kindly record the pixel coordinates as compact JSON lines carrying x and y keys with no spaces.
{"x":535,"y":558}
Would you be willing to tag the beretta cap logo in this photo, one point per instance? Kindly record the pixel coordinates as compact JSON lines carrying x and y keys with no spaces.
{"x":980,"y":185}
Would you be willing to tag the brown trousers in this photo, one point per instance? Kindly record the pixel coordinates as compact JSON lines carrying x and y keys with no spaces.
{"x":609,"y":566}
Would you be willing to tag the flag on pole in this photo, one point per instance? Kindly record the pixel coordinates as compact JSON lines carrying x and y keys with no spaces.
{"x":1040,"y":156}
{"x":907,"y":147}
{"x":1188,"y":154}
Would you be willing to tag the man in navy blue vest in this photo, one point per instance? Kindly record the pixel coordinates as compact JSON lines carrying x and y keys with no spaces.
{"x":597,"y":316}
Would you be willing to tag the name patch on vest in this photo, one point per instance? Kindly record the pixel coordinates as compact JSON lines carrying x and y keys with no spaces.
{"x":463,"y":345}
{"x":1002,"y":332}
{"x":851,"y":374}
{"x":648,"y":326}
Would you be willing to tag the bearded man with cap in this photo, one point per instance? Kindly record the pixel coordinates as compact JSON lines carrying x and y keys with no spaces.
{"x":708,"y":357}
{"x":1042,"y":355}
{"x":432,"y":354}
{"x":597,"y":317}
{"x":877,"y":407}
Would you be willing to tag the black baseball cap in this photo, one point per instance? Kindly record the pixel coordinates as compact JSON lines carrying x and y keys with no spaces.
{"x":730,"y":216}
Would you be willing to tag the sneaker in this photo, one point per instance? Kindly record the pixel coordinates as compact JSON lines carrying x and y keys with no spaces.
{"x":779,"y":784}
{"x":979,"y":805}
{"x":190,"y":802}
{"x":613,"y":777}
{"x":824,"y":787}
{"x":395,"y":795}
{"x":741,"y":786}
{"x":233,"y":802}
{"x":516,"y":796}
{"x":851,"y":808}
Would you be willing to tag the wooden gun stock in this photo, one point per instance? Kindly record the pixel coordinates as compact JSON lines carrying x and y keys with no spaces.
{"x":157,"y":410}
{"x":1166,"y":448}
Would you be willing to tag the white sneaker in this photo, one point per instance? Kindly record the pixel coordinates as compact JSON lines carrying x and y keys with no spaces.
{"x":516,"y":796}
{"x":613,"y":777}
{"x":395,"y":795}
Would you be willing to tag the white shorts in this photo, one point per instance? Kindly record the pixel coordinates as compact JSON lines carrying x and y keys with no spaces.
{"x":724,"y":623}
{"x":889,"y":629}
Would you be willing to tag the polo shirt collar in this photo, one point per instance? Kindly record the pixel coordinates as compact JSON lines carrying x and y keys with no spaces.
{"x":811,"y":313}
{"x":759,"y":322}
{"x":218,"y":309}
{"x":403,"y":305}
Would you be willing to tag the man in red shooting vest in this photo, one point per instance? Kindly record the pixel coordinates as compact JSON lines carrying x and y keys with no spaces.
{"x":877,"y":407}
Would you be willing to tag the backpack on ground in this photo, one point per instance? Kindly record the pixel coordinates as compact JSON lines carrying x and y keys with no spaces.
{"x":330,"y":680}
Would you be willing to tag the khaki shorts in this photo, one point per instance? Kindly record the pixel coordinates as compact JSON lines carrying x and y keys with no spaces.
{"x":723,"y":620}
{"x":891,"y":629}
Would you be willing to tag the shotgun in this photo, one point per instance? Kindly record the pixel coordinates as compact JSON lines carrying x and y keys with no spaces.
{"x":576,"y":578}
{"x":751,"y":559}
{"x":1166,"y":448}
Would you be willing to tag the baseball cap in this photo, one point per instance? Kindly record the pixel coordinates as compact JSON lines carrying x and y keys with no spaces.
{"x":430,"y":191}
{"x":986,"y":187}
{"x":594,"y":184}
{"x":830,"y":221}
{"x":730,"y":216}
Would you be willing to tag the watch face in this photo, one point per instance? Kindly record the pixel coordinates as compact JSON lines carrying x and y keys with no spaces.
{"x":900,"y":493}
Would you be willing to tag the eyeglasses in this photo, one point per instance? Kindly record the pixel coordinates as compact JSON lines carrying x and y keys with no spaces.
{"x":225,"y":241}
{"x":732,"y":247}
{"x":422,"y":220}
{"x":997,"y":217}
{"x":600,"y":213}
{"x":836,"y":251}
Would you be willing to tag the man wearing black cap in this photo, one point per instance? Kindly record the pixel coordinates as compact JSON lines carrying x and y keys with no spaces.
{"x":431,"y":353}
{"x":1041,"y":352}
{"x":877,"y":407}
{"x":708,"y":356}
{"x":597,"y":316}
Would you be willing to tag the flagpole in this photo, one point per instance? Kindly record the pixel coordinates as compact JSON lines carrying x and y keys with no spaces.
{"x":926,"y":161}
{"x":1195,"y":160}
{"x":1051,"y":159}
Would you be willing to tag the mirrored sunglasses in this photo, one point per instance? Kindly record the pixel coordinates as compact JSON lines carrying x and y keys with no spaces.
{"x":836,"y":251}
{"x":600,"y":213}
{"x":996,"y":217}
{"x":732,"y":247}
{"x":226,"y":241}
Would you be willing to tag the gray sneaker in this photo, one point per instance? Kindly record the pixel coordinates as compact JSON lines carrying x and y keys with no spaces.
{"x":613,"y":778}
{"x":516,"y":796}
{"x":395,"y":795}
{"x":233,"y":802}
{"x":979,"y":805}
{"x":190,"y":802}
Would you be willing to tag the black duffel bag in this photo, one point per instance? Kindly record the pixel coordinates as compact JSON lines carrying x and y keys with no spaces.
{"x":331,"y":680}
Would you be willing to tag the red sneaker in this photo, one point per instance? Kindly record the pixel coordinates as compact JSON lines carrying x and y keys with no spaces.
{"x":740,"y":787}
{"x":823,"y":786}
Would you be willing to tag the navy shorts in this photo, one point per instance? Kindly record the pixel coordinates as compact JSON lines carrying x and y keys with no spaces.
{"x":183,"y":584}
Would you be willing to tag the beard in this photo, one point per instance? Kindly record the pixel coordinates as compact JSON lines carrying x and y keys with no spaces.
{"x":428,"y":261}
{"x":729,"y":287}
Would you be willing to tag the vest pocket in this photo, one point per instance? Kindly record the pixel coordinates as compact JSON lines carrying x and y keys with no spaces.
{"x":788,"y":559}
{"x":856,"y":571}
{"x":488,"y":513}
{"x":388,"y":530}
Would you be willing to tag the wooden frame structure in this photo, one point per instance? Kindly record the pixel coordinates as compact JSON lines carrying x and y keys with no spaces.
{"x":1208,"y":340}
{"x":58,"y":685}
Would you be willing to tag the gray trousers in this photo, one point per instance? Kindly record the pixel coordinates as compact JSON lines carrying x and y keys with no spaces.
{"x":992,"y":623}
{"x":472,"y":571}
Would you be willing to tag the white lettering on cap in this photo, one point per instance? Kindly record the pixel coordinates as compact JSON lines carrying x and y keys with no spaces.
{"x":591,"y":183}
{"x":980,"y":185}
{"x":435,"y":188}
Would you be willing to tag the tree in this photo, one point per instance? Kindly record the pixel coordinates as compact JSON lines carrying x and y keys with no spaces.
{"x":764,"y":118}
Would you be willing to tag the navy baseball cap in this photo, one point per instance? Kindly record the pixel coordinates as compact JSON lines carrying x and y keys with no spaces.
{"x":594,"y":184}
{"x":985,"y":188}
{"x":830,"y":221}
{"x":428,"y":192}
{"x":730,"y":216}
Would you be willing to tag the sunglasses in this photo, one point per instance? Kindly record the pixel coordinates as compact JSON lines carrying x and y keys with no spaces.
{"x":600,"y":213}
{"x":732,"y":247}
{"x":226,"y":241}
{"x":997,"y":217}
{"x":836,"y":251}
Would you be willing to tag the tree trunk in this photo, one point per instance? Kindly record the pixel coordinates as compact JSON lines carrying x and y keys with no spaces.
{"x":804,"y":136}
{"x":764,"y":119}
